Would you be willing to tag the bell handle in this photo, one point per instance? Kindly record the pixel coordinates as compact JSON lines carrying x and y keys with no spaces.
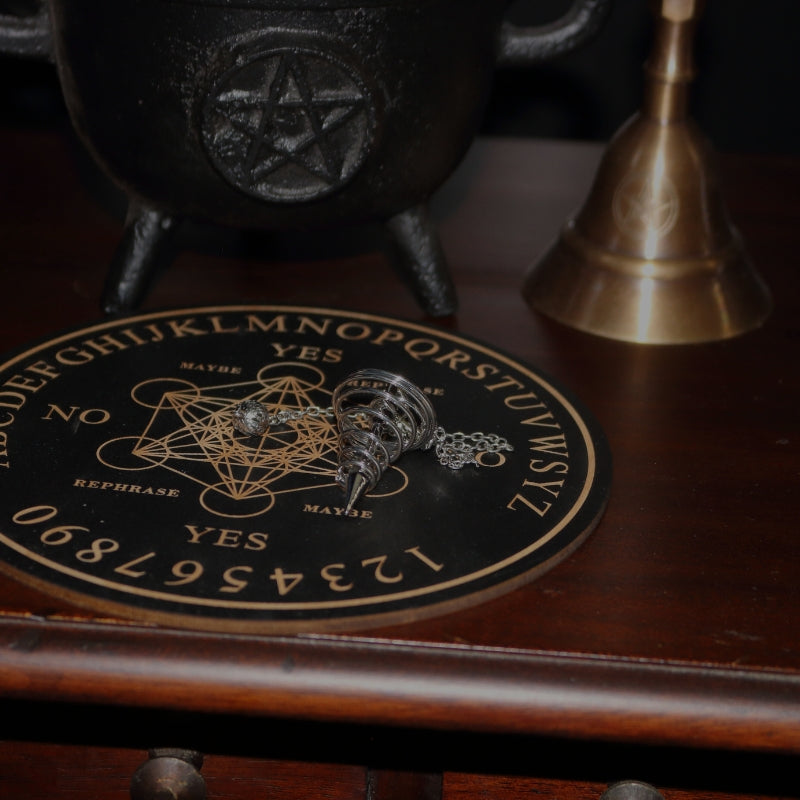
{"x":522,"y":46}
{"x":28,"y":35}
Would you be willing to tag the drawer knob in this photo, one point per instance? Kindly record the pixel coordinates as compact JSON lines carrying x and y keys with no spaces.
{"x":169,"y":774}
{"x":631,"y":790}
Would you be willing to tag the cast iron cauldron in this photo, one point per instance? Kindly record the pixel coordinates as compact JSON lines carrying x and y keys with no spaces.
{"x":282,"y":114}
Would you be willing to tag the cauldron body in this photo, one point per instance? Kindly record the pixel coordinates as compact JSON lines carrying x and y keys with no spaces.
{"x":272,"y":116}
{"x":282,"y":113}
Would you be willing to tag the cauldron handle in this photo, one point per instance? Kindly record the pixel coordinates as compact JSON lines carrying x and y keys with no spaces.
{"x":521,"y":46}
{"x":26,"y":36}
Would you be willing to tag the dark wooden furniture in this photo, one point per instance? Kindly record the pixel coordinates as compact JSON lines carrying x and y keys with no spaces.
{"x":666,"y":649}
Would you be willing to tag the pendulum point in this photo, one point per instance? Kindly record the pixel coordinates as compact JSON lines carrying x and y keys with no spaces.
{"x":355,"y":485}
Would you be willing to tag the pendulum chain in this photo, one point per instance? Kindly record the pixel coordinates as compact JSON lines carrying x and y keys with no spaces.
{"x":457,"y":449}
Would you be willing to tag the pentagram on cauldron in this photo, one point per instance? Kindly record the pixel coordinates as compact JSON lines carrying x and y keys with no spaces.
{"x":289,"y":125}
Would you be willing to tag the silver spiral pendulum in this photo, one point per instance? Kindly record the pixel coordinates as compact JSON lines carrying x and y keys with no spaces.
{"x":382,"y":415}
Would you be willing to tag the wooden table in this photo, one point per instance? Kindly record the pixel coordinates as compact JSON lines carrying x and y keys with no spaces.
{"x":666,"y":649}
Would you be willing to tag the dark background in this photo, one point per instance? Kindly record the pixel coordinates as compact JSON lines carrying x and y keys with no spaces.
{"x":745,"y":96}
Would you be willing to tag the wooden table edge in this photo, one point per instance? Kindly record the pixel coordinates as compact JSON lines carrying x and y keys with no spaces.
{"x":405,"y":684}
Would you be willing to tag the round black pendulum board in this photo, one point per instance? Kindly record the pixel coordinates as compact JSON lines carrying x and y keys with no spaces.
{"x":126,"y":489}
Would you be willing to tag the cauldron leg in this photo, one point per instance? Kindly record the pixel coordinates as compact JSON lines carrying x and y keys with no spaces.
{"x":420,"y":261}
{"x":146,"y":231}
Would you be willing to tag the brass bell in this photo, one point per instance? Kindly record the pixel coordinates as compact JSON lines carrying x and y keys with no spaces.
{"x":652,"y":256}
